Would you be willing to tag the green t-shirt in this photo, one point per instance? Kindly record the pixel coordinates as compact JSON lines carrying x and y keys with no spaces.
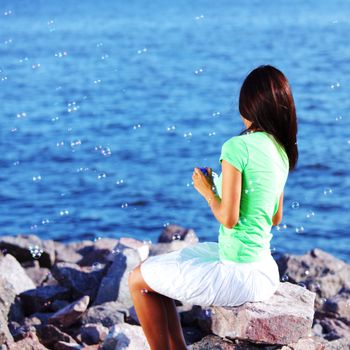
{"x":264,"y":166}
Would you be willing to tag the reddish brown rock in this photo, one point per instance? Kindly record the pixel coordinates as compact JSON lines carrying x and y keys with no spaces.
{"x":271,"y":321}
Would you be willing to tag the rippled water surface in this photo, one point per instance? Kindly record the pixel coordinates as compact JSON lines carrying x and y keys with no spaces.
{"x":107,"y":106}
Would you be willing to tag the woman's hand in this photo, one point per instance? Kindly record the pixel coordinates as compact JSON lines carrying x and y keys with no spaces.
{"x":203,"y":184}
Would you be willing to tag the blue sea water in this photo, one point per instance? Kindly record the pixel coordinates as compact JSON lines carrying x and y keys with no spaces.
{"x":106,"y":108}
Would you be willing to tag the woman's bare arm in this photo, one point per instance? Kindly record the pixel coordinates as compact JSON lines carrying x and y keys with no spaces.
{"x":226,"y":209}
{"x":277,"y":218}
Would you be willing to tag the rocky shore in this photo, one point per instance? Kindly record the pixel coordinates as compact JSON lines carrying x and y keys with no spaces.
{"x":76,"y":296}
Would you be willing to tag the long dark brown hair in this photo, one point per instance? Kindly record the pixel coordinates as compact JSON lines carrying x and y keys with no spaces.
{"x":267,"y":101}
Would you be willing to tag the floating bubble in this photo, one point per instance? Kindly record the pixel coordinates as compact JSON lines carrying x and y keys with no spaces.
{"x":118,"y":182}
{"x":176,"y":236}
{"x":199,"y":17}
{"x":21,"y":115}
{"x":8,"y":13}
{"x":64,"y":212}
{"x":45,"y":221}
{"x":284,"y":278}
{"x":61,"y":54}
{"x":72,"y":107}
{"x":327,"y":191}
{"x":75,"y":143}
{"x":103,"y":57}
{"x":310,"y":214}
{"x":105,"y":151}
{"x":96,"y":266}
{"x":188,"y":134}
{"x":21,"y":60}
{"x":169,"y":128}
{"x":198,"y":71}
{"x":295,"y":205}
{"x":142,"y":50}
{"x":212,"y":133}
{"x":33,"y":227}
{"x":79,"y":170}
{"x":208,"y":312}
{"x":35,"y":66}
{"x":124,"y":205}
{"x":97,"y":81}
{"x":335,"y":85}
{"x":60,"y":143}
{"x":35,"y":251}
{"x":338,"y":118}
{"x":166,"y":224}
{"x":101,"y":176}
{"x":216,"y":114}
{"x":136,"y":126}
{"x":299,"y":229}
{"x":53,"y":119}
{"x":37,"y":178}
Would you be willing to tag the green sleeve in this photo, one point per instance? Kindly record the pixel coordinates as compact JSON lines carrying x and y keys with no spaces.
{"x":235,"y":151}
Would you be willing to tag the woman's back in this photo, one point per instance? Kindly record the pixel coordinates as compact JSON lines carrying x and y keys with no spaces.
{"x":264,"y":166}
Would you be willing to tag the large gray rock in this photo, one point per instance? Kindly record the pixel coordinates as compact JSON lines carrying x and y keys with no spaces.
{"x":320,"y":271}
{"x":49,"y":335}
{"x":85,"y":253}
{"x":125,"y":337}
{"x":40,"y":299}
{"x":82,"y":280}
{"x":284,"y":318}
{"x":338,"y":306}
{"x":108,"y":314}
{"x":114,"y":286}
{"x":93,"y":333}
{"x":71,"y":313}
{"x":12,"y":271}
{"x":30,"y":342}
{"x":5,"y":334}
{"x":19,"y":245}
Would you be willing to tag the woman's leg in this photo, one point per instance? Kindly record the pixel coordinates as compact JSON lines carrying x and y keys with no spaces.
{"x":150,"y":311}
{"x":176,"y":337}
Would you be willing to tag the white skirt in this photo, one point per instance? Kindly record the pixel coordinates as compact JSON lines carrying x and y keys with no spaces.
{"x":196,"y":275}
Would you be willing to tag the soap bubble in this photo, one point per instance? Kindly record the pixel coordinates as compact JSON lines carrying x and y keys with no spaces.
{"x":327,"y":191}
{"x":299,"y":229}
{"x":310,"y":214}
{"x":96,"y":266}
{"x":295,"y":205}
{"x":284,"y":278}
{"x":35,"y":251}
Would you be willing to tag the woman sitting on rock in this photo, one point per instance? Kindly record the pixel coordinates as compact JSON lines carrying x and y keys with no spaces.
{"x":247,"y":200}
